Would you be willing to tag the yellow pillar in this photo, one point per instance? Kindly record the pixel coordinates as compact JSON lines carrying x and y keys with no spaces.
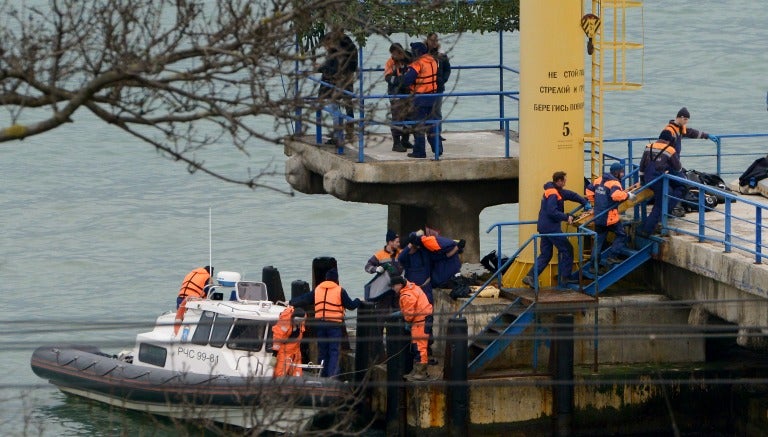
{"x":552,"y":52}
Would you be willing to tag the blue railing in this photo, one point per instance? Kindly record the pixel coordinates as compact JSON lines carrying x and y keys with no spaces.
{"x":698,"y":154}
{"x":362,"y":123}
{"x":533,"y":239}
{"x":724,"y":231}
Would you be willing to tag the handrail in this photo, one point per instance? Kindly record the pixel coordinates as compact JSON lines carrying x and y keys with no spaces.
{"x":535,"y":237}
{"x":728,"y":235}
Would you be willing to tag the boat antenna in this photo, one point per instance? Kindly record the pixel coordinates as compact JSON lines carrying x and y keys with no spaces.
{"x":210,"y":239}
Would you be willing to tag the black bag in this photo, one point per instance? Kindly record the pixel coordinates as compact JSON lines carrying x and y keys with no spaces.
{"x":691,"y":201}
{"x":460,"y":287}
{"x":710,"y":179}
{"x":491,"y":262}
{"x":757,"y":171}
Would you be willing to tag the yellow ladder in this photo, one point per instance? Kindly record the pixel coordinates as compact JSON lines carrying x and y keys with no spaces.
{"x":613,"y":49}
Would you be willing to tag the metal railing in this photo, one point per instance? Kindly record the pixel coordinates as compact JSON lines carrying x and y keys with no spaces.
{"x":364,"y":123}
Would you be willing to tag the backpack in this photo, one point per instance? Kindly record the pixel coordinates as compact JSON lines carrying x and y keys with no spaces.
{"x":710,"y":179}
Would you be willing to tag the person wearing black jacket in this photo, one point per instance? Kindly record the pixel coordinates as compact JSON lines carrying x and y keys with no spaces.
{"x":397,"y":66}
{"x":338,"y":75}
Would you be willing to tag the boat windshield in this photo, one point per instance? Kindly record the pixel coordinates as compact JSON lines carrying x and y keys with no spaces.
{"x":248,"y":335}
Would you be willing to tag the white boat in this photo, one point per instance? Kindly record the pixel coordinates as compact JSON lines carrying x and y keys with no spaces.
{"x":211,"y":361}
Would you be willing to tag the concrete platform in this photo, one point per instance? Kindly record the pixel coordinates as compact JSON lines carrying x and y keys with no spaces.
{"x":447,"y":194}
{"x":730,"y":286}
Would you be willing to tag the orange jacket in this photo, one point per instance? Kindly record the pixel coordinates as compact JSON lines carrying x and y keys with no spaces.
{"x":287,"y":341}
{"x":328,"y":305}
{"x":414,"y":303}
{"x":194,"y":283}
{"x":426,"y":75}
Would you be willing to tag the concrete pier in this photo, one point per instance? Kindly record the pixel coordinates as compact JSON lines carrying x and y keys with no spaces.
{"x":730,"y":286}
{"x":448,"y":194}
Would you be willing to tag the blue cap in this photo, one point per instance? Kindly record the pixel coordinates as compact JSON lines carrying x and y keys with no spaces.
{"x":616,"y":167}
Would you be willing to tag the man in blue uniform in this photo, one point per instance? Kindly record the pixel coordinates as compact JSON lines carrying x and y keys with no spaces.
{"x":551,"y":215}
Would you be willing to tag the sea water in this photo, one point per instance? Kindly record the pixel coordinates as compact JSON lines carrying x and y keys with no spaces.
{"x":98,"y":230}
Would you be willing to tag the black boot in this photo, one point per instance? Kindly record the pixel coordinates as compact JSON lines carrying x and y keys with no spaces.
{"x":398,"y":147}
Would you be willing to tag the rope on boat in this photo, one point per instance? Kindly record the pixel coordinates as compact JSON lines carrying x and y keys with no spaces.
{"x":112,"y":369}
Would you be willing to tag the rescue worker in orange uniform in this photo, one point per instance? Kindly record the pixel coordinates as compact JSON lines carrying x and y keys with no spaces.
{"x":608,"y":193}
{"x":416,"y":309}
{"x":195,"y":284}
{"x":330,"y":302}
{"x":286,"y":338}
{"x":421,"y":78}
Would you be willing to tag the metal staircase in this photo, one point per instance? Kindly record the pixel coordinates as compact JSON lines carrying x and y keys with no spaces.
{"x":617,"y":271}
{"x":498,"y":335}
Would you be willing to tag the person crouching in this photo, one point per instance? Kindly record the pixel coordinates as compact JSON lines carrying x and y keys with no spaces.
{"x":415,"y":308}
{"x":286,"y":338}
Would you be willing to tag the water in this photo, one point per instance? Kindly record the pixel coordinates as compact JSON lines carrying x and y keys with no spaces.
{"x":98,"y":228}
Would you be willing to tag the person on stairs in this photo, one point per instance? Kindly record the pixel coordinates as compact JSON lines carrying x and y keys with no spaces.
{"x":551,"y":215}
{"x":609,"y":193}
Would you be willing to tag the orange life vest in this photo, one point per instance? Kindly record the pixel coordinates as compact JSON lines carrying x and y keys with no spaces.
{"x":194,"y":283}
{"x":328,"y":304}
{"x":426,"y":75}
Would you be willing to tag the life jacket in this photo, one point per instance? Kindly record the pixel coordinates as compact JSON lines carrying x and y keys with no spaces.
{"x":414,"y":303}
{"x":194,"y":283}
{"x":328,"y":305}
{"x":426,"y":75}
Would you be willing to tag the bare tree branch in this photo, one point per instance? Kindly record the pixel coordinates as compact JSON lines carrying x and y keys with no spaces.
{"x":181,"y":75}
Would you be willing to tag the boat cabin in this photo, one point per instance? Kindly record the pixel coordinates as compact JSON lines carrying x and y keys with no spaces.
{"x":213,"y":335}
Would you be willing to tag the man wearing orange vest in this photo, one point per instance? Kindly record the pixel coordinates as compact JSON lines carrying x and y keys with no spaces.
{"x":416,"y":309}
{"x":421,"y":78}
{"x":195,"y":284}
{"x":286,"y":338}
{"x":330,"y":302}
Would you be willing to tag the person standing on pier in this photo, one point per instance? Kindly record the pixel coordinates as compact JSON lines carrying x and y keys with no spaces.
{"x":397,"y":66}
{"x":421,"y":80}
{"x":443,"y":71}
{"x":678,"y":129}
{"x":330,"y":302}
{"x":551,"y":215}
{"x":658,"y":158}
{"x":416,"y":310}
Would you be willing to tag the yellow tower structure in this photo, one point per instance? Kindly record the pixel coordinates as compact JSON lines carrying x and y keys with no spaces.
{"x":555,"y":37}
{"x":552,"y":52}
